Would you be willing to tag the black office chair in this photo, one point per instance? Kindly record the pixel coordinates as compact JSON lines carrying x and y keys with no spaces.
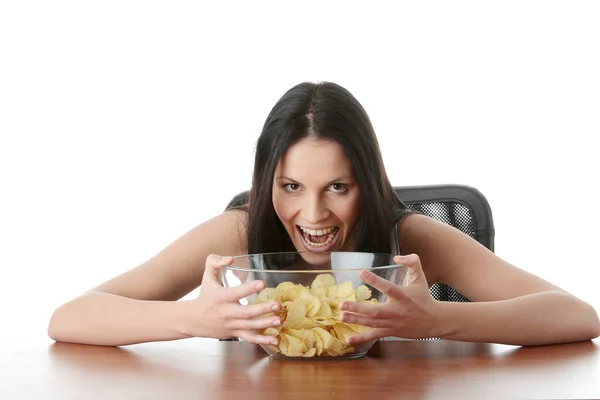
{"x":460,"y":206}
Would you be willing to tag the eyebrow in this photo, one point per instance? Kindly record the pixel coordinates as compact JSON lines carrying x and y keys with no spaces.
{"x":340,"y":179}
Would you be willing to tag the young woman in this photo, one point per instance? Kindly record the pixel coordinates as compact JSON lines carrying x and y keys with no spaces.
{"x":319,"y":184}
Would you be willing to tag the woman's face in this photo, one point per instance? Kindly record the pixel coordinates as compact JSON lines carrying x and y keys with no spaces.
{"x":316,"y":197}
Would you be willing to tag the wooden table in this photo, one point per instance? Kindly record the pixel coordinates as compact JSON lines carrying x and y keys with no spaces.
{"x":209,"y":369}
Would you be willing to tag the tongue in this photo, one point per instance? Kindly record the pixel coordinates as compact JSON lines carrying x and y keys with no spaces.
{"x":318,"y":239}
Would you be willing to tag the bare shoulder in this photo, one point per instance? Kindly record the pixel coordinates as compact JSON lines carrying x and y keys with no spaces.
{"x":421,"y":233}
{"x":177,"y":269}
{"x":452,"y":257}
{"x":417,"y":234}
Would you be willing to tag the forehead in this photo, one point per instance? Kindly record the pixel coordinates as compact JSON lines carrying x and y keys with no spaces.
{"x":314,"y":158}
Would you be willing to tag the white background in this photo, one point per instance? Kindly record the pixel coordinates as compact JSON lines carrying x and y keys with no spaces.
{"x":125,"y":123}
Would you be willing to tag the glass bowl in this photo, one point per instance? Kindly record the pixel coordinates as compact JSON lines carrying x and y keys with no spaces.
{"x":310,"y":287}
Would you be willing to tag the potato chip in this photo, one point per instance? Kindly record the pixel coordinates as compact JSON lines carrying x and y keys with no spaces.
{"x":324,"y":310}
{"x":265,"y":295}
{"x":307,"y":336}
{"x":343,"y":331}
{"x":358,"y":328}
{"x":327,"y":322}
{"x":323,"y":280}
{"x":271,"y":332}
{"x":331,"y":291}
{"x":338,"y":348}
{"x":316,"y":307}
{"x":319,"y":291}
{"x":286,"y":291}
{"x":295,"y":347}
{"x":325,"y":338}
{"x":310,"y":353}
{"x":310,"y":317}
{"x":345,"y":291}
{"x":363,"y":293}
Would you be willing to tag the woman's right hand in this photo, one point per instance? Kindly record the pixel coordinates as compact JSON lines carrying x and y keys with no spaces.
{"x":217,"y":312}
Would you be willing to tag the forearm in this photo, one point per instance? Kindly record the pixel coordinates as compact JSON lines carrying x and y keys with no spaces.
{"x":104,"y":319}
{"x":537,"y":319}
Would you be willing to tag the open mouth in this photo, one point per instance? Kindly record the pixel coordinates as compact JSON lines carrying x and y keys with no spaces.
{"x":320,"y":239}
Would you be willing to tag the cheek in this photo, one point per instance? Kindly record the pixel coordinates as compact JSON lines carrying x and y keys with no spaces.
{"x":348,"y":211}
{"x":283,"y":209}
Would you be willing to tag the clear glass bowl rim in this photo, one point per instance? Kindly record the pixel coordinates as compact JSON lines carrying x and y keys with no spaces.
{"x":312,"y":271}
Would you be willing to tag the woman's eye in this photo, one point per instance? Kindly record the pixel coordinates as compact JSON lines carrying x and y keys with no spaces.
{"x":339,"y":187}
{"x":292,"y":187}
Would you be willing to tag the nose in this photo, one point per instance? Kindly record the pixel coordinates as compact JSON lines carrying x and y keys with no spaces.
{"x":314,"y":209}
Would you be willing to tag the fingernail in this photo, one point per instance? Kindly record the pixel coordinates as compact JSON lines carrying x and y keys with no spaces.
{"x":343,"y":306}
{"x":259,"y":286}
{"x":274,"y":342}
{"x":276,"y":322}
{"x":274,"y":307}
{"x":364,"y":275}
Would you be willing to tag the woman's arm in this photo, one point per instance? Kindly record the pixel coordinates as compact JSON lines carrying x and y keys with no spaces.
{"x":534,"y":319}
{"x":101,"y":318}
{"x":139,"y":305}
{"x":509,"y":305}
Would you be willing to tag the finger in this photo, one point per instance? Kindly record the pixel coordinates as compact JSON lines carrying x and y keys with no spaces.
{"x":383,"y":285}
{"x":256,"y":323}
{"x":358,"y":319}
{"x":415,"y":269}
{"x":212,"y":266}
{"x":368,"y":335}
{"x":377,"y":310}
{"x":245,"y":290}
{"x":255,"y":310}
{"x":254,"y":337}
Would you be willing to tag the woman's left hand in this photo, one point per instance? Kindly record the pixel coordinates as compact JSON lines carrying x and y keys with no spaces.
{"x":409,"y":311}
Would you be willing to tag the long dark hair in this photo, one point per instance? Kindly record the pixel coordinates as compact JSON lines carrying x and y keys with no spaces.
{"x":328,"y":111}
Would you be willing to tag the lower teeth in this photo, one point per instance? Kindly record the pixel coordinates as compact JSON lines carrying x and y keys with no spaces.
{"x":321,"y":244}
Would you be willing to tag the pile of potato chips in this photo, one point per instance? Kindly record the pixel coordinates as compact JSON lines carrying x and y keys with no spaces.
{"x":310,"y":317}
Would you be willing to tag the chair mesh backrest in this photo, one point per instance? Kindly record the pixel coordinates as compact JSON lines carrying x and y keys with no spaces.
{"x":458,"y":216}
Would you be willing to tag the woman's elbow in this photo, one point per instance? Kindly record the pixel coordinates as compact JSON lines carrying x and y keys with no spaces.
{"x":593,"y":325}
{"x":55,"y":328}
{"x":583,"y":321}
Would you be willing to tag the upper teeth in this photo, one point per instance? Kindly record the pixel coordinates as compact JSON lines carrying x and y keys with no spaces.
{"x":317,"y":232}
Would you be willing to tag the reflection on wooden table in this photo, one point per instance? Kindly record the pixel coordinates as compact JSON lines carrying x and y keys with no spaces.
{"x":200,"y":368}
